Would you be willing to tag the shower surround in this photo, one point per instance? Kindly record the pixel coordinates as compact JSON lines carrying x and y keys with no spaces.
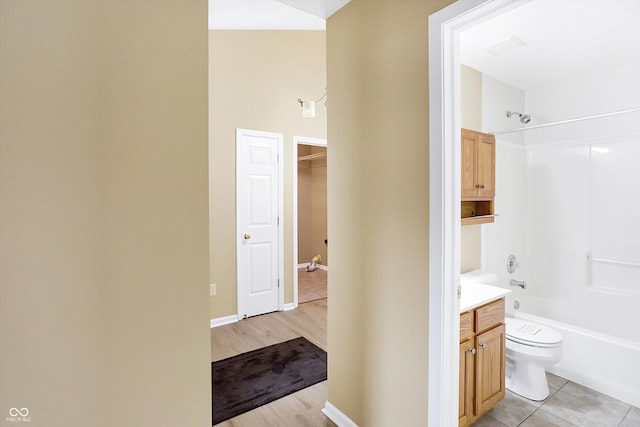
{"x":568,"y":203}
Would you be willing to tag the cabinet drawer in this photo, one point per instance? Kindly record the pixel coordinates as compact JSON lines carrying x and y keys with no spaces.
{"x":466,"y":326}
{"x":489,"y":315}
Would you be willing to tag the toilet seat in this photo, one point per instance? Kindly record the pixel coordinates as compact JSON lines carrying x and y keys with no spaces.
{"x":531,"y":334}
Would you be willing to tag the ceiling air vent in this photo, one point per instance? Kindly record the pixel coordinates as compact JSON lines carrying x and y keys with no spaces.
{"x":508,"y":45}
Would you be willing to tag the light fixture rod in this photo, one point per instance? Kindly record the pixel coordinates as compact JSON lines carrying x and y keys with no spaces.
{"x":322,"y":97}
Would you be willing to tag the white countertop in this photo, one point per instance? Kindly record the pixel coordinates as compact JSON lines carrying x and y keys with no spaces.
{"x":476,"y":294}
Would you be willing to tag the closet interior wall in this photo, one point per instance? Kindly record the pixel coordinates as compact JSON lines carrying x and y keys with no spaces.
{"x":312,"y":204}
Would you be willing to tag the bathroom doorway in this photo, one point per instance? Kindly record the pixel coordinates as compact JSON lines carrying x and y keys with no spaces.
{"x":310,"y":219}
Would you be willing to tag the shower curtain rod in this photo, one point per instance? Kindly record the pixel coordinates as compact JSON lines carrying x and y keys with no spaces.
{"x":561,"y":122}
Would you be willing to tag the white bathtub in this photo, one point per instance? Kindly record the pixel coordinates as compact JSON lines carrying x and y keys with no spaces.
{"x":605,"y":363}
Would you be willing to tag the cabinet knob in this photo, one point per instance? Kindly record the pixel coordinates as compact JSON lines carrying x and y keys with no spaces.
{"x":483,"y":345}
{"x":247,"y":236}
{"x":472,"y":351}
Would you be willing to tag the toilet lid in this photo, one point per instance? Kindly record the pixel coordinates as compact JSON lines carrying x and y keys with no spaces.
{"x":530,"y":333}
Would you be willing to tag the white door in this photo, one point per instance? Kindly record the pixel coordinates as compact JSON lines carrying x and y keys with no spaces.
{"x":259,"y":207}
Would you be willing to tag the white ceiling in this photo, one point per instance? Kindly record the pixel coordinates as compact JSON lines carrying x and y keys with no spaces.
{"x":564,"y":38}
{"x":271,"y":14}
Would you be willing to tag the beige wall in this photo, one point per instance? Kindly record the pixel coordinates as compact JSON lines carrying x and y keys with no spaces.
{"x":319,"y":209}
{"x":470,"y":248}
{"x":305,"y":223}
{"x":378,"y":181}
{"x":312,"y":206}
{"x":255,"y":80}
{"x":471,"y":98}
{"x":103,"y":212}
{"x":471,"y":118}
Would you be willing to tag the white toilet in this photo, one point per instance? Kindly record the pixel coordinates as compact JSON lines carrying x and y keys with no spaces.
{"x":530,"y":349}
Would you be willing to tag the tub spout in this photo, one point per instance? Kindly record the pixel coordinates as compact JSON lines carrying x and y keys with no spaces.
{"x":520,"y":283}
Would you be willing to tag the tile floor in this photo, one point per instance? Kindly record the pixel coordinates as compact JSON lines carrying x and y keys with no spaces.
{"x":569,"y":405}
{"x":312,"y":285}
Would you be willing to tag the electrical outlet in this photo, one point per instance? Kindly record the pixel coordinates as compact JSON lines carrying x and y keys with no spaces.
{"x":212,"y":289}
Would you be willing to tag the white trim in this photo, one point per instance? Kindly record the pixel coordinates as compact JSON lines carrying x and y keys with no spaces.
{"x":337,"y":416}
{"x":303,"y":140}
{"x":318,"y":266}
{"x":280,"y":138}
{"x":281,"y":220}
{"x":299,"y":140}
{"x":226,"y":320}
{"x":290,"y":306}
{"x":444,"y":195}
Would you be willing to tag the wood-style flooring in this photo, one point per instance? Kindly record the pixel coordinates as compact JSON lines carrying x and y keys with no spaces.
{"x":302,"y":408}
{"x":570,"y":405}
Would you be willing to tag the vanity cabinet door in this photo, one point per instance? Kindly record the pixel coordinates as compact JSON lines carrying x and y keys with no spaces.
{"x":490,"y":361}
{"x":469,"y":164}
{"x":478,"y":165}
{"x":486,"y":169}
{"x":482,"y":358}
{"x":467,"y":383}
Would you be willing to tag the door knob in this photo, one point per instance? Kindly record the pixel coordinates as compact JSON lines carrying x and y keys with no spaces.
{"x":247,"y":236}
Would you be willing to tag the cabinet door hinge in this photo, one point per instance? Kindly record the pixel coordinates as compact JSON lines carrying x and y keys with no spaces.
{"x":459,"y":292}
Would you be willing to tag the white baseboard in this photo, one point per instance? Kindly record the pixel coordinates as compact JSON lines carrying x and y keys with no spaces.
{"x":318,"y":266}
{"x":337,"y":416}
{"x":224,"y":320}
{"x":290,"y":306}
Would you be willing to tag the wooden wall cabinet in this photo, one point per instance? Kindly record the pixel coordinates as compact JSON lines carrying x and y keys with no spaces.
{"x":482,"y":360}
{"x":478,"y":179}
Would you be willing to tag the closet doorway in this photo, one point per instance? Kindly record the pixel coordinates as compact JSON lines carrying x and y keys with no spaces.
{"x":310,"y":252}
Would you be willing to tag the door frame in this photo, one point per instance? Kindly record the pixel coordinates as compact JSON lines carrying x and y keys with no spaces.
{"x":239,"y":232}
{"x":299,"y":140}
{"x":444,"y":198}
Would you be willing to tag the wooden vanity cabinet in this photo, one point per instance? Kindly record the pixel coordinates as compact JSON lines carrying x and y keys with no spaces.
{"x":478,"y":180}
{"x":482,"y":360}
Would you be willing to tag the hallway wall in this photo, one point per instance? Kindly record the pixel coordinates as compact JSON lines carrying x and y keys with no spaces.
{"x":255,"y":79}
{"x":103,"y":213}
{"x":378,"y":170}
